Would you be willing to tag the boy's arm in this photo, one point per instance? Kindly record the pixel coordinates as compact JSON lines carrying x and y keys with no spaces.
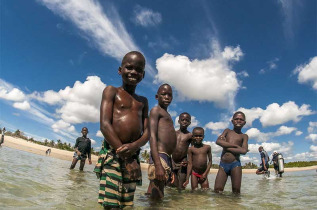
{"x":106,"y":113}
{"x":130,"y":148}
{"x":76,"y":146}
{"x":159,"y":170}
{"x":189,"y":166}
{"x":243,"y":149}
{"x":89,"y":153}
{"x":209,"y":163}
{"x":221,"y":141}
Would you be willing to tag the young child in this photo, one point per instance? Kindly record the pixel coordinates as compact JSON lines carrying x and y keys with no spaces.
{"x":179,"y":156}
{"x":234,"y":143}
{"x":162,"y":143}
{"x":124,"y":124}
{"x":82,"y":150}
{"x":198,"y":168}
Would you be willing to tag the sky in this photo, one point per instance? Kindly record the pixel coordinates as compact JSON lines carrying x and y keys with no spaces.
{"x":259,"y":57}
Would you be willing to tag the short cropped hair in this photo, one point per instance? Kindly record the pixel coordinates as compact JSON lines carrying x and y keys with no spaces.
{"x":198,"y":128}
{"x":185,"y":113}
{"x":162,"y":86}
{"x":132,"y":53}
{"x":238,"y":112}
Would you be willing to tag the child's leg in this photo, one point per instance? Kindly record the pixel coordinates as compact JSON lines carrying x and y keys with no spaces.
{"x":181,"y":180}
{"x":82,"y":164}
{"x":205,"y":184}
{"x":236,"y":176}
{"x":157,"y":190}
{"x":220,"y":181}
{"x":72,"y":166}
{"x":194,"y":182}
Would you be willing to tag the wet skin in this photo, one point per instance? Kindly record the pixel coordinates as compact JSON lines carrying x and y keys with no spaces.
{"x":163,"y":138}
{"x":124,"y":115}
{"x":180,"y":154}
{"x":198,"y":156}
{"x":234,"y":143}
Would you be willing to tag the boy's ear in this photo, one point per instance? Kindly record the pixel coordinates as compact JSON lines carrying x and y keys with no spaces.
{"x":120,"y":70}
{"x":143,"y":74}
{"x":156,"y":96}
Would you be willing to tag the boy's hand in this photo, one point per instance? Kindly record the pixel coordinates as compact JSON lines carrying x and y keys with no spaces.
{"x":133,"y":169}
{"x":159,"y":173}
{"x":78,"y":153}
{"x":185,"y":183}
{"x":184,"y":163}
{"x":203,"y":177}
{"x":90,"y":162}
{"x":127,"y":150}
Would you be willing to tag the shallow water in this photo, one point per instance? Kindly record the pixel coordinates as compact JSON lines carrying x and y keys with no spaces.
{"x":32,"y":181}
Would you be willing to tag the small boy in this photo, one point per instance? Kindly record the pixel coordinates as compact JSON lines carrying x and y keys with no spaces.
{"x":234,"y":143}
{"x":162,"y":143}
{"x":198,"y":168}
{"x":124,"y":124}
{"x":82,"y":150}
{"x":179,"y":156}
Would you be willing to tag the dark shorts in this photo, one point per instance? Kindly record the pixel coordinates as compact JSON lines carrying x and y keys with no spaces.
{"x":275,"y":167}
{"x":262,"y":168}
{"x":227,"y":167}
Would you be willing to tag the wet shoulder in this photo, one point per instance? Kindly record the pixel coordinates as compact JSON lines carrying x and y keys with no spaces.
{"x":110,"y":91}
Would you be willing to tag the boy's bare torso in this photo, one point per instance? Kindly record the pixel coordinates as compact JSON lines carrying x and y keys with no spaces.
{"x":128,"y":115}
{"x":183,"y":141}
{"x":234,"y":138}
{"x":166,"y":134}
{"x":200,"y":158}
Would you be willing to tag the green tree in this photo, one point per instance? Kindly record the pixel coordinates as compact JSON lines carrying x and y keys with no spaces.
{"x":145,"y":156}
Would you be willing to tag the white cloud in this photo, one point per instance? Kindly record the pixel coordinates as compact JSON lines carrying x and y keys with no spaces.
{"x":312,"y":127}
{"x":272,"y":64}
{"x":172,"y":113}
{"x":307,"y":73}
{"x":51,"y":97}
{"x":7,"y":92}
{"x":243,"y":74}
{"x":93,"y":142}
{"x":99,"y":134}
{"x":214,"y":147}
{"x":312,"y":137}
{"x":257,"y":135}
{"x":146,"y":17}
{"x":298,"y":133}
{"x":61,"y":125}
{"x":304,"y":156}
{"x":289,"y":111}
{"x":22,"y":105}
{"x":313,"y":148}
{"x":284,"y":147}
{"x":217,"y":127}
{"x":200,"y":77}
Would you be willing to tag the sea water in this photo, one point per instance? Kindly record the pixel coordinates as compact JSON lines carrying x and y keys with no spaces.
{"x":31,"y":181}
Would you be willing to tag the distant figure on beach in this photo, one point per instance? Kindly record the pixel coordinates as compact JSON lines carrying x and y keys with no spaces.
{"x":2,"y":135}
{"x":124,"y":124}
{"x":179,"y":156}
{"x":162,"y":143}
{"x":48,"y":152}
{"x":82,"y":150}
{"x":264,"y":166}
{"x":198,"y":168}
{"x":234,"y":144}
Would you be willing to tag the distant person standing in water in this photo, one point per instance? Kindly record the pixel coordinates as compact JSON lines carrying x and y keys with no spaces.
{"x":82,"y":150}
{"x":2,"y":135}
{"x":264,"y":169}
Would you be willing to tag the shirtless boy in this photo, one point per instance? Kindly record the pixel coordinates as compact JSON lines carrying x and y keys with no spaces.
{"x":179,"y":156}
{"x":198,"y":168}
{"x":162,"y":143}
{"x":234,"y":143}
{"x":124,"y":124}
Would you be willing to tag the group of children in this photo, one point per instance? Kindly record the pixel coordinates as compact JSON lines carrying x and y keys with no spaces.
{"x":126,"y":126}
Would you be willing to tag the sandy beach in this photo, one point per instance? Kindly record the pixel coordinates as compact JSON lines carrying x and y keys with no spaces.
{"x":23,"y":145}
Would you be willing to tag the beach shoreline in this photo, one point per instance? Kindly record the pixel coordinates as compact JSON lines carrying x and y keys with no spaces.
{"x":21,"y":144}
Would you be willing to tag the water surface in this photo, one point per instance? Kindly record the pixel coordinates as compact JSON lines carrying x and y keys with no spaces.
{"x":31,"y":181}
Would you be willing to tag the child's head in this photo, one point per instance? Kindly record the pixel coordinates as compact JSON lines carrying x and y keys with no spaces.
{"x":198,"y":135}
{"x":260,"y":149}
{"x":132,"y":68}
{"x":184,"y":120}
{"x":164,"y":95}
{"x":238,"y":119}
{"x":84,"y":131}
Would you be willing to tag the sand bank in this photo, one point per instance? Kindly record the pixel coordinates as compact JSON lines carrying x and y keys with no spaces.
{"x":23,"y":145}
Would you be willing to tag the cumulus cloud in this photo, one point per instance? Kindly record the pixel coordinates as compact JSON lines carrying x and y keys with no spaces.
{"x":8,"y":92}
{"x":312,"y":127}
{"x":22,"y":105}
{"x":284,"y":147}
{"x":99,"y":134}
{"x":257,"y":135}
{"x":304,"y":156}
{"x":200,"y":78}
{"x":251,"y":115}
{"x":217,"y":127}
{"x":214,"y":147}
{"x":146,"y":17}
{"x":313,"y":148}
{"x":272,"y":64}
{"x":312,"y":137}
{"x":61,"y":125}
{"x":289,"y":111}
{"x":307,"y":73}
{"x":298,"y":133}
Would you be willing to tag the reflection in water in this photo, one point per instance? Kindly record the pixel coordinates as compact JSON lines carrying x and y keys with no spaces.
{"x":32,"y":181}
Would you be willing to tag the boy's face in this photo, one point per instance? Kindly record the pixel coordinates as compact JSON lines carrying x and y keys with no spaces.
{"x":238,"y":121}
{"x":132,"y":69}
{"x":84,"y":131}
{"x":198,"y":136}
{"x":184,"y":120}
{"x":164,"y":96}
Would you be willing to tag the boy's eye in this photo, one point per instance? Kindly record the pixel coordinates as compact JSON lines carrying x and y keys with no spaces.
{"x":238,"y":119}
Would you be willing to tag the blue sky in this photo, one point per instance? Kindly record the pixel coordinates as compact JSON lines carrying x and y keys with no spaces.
{"x":219,"y":56}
